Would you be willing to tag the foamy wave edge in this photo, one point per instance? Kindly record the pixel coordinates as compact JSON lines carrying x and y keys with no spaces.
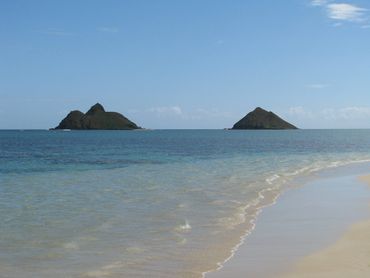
{"x":302,"y":171}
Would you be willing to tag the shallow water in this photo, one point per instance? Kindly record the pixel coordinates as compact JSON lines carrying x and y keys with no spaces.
{"x":166,"y":203}
{"x":305,"y":220}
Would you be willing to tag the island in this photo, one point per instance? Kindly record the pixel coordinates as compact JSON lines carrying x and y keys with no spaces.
{"x":96,"y":118}
{"x":262,"y":119}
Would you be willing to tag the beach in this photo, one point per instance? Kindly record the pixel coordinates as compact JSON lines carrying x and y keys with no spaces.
{"x":185,"y":139}
{"x":348,"y":257}
{"x":318,"y":229}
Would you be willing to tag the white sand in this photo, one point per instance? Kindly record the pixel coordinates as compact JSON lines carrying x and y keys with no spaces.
{"x":304,"y":220}
{"x":347,"y":258}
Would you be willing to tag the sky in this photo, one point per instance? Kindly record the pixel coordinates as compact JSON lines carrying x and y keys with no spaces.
{"x":187,"y":63}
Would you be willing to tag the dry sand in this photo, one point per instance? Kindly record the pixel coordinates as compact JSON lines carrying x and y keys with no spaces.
{"x":349,"y":257}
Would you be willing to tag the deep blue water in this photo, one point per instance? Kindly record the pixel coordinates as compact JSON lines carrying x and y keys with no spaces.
{"x":31,"y":151}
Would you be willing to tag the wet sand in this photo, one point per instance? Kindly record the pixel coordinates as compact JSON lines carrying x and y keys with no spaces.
{"x":305,"y":220}
{"x":348,"y":257}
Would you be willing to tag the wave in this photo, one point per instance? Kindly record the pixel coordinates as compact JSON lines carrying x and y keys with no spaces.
{"x":183,"y":228}
{"x":71,"y":245}
{"x":276,"y":183}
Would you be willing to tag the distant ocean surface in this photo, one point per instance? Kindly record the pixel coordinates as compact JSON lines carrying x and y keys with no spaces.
{"x":162,"y":203}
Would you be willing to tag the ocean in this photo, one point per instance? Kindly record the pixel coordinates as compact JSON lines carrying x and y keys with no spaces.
{"x":153,"y":203}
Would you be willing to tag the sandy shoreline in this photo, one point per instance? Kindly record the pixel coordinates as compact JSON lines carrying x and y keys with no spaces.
{"x":291,"y":238}
{"x":348,"y":257}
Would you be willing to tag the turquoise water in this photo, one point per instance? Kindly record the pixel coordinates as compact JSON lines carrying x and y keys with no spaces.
{"x":165,"y":203}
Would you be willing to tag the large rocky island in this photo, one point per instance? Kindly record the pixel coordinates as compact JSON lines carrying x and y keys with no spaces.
{"x":262,"y":119}
{"x":96,"y":118}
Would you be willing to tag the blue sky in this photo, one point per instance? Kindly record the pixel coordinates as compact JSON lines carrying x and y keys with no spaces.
{"x":186,"y":64}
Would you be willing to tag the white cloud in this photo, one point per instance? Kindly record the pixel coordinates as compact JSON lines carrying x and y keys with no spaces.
{"x":300,"y":112}
{"x":319,"y":2}
{"x":345,"y":113}
{"x":201,"y":113}
{"x":166,"y":111}
{"x":55,"y":32}
{"x":318,"y":86}
{"x":108,"y":29}
{"x":177,"y":112}
{"x":342,"y":12}
{"x":354,"y":112}
{"x":346,"y":12}
{"x":337,"y":24}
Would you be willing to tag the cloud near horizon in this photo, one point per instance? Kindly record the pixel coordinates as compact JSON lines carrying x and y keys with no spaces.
{"x":164,"y":111}
{"x":176,"y":116}
{"x":345,"y":113}
{"x":178,"y":112}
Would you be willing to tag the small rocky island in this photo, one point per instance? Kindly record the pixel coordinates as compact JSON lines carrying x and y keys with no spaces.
{"x":96,"y":118}
{"x":262,"y":119}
